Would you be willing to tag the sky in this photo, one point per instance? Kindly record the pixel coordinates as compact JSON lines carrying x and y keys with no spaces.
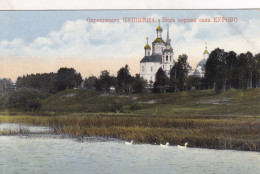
{"x":44,"y":41}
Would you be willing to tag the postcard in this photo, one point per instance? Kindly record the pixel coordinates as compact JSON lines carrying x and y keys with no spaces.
{"x":130,"y":91}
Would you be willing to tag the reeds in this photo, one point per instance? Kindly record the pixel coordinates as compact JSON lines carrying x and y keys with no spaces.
{"x":240,"y":133}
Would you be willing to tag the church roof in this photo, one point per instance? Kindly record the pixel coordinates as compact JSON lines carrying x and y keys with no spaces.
{"x":167,"y":50}
{"x":152,"y":58}
{"x":158,"y":40}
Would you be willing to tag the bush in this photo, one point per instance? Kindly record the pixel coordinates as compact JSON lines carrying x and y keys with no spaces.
{"x":25,"y":99}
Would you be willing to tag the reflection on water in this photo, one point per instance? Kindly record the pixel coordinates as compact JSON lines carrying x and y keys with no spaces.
{"x":24,"y":128}
{"x":54,"y":154}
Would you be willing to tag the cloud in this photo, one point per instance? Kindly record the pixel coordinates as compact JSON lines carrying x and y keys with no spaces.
{"x":94,"y":47}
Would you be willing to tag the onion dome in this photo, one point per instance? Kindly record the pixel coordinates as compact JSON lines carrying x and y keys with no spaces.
{"x":147,"y":46}
{"x":159,"y":28}
{"x":206,"y":52}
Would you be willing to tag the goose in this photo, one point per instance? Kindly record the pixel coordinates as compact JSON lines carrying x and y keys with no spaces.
{"x":129,"y":143}
{"x":166,"y":145}
{"x":182,"y":147}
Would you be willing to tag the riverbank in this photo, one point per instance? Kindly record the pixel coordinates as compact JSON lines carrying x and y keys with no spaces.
{"x":236,"y":133}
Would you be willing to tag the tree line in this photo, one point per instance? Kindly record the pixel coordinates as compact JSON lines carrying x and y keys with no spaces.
{"x":223,"y":70}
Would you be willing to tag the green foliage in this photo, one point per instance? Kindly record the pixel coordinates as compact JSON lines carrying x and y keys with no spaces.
{"x":139,"y":84}
{"x":179,"y":73}
{"x":68,"y":78}
{"x":105,"y":81}
{"x":89,"y":83}
{"x":161,"y":81}
{"x":27,"y":99}
{"x":5,"y":85}
{"x":193,"y":81}
{"x":228,"y":70}
{"x":124,"y":80}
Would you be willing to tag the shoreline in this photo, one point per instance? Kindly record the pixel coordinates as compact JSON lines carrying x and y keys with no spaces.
{"x":211,"y":137}
{"x":97,"y":139}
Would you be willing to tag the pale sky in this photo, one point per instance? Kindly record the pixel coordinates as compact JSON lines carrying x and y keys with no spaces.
{"x":44,"y":41}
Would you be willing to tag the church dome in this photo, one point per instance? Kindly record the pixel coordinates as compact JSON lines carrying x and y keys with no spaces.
{"x":206,"y":52}
{"x":171,"y":48}
{"x":147,"y":46}
{"x":158,"y":40}
{"x":159,"y":28}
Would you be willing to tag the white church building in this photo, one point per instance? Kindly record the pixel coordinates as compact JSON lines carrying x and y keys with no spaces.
{"x":200,"y":68}
{"x":162,"y":56}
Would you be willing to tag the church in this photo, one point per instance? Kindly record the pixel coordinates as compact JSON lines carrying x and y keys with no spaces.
{"x":162,"y":56}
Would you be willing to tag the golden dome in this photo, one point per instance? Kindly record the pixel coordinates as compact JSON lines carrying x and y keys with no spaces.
{"x":158,"y":40}
{"x":147,"y":46}
{"x":159,"y":28}
{"x":171,"y":48}
{"x":206,"y":52}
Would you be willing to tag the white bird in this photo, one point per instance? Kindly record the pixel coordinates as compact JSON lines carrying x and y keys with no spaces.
{"x":182,"y":147}
{"x":166,"y":145}
{"x":129,"y":143}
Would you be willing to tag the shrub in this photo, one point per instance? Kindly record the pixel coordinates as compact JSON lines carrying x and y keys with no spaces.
{"x":25,"y":99}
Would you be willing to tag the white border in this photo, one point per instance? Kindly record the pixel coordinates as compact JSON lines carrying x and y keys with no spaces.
{"x":125,"y":4}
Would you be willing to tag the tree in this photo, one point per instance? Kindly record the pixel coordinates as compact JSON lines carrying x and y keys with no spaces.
{"x":124,"y":79}
{"x":231,"y":63}
{"x":211,"y":68}
{"x":257,"y":71}
{"x":89,"y":83}
{"x":68,"y":78}
{"x":249,"y":69}
{"x":139,"y":84}
{"x":25,"y":99}
{"x":193,"y":81}
{"x":242,"y":76}
{"x":104,"y":82}
{"x":45,"y":82}
{"x":179,"y":74}
{"x":5,"y":85}
{"x":161,"y":81}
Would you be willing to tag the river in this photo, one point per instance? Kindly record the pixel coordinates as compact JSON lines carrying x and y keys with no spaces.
{"x":55,"y":154}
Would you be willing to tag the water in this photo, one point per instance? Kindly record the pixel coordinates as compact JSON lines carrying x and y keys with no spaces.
{"x":25,"y":128}
{"x":43,"y":153}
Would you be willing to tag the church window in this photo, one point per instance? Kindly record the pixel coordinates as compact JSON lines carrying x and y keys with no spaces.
{"x":170,"y":67}
{"x":148,"y":53}
{"x":142,"y":68}
{"x":163,"y":66}
{"x":170,"y":58}
{"x":162,"y":49}
{"x":151,"y":69}
{"x":166,"y":58}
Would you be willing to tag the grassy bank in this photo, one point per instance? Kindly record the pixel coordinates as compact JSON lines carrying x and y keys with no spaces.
{"x":187,"y":103}
{"x":241,"y":133}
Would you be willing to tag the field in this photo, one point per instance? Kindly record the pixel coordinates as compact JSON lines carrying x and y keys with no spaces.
{"x":230,"y":120}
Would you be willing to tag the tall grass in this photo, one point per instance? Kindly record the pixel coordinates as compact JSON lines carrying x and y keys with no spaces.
{"x":240,"y":133}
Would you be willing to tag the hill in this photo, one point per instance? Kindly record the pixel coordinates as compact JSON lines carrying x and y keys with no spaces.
{"x":187,"y":103}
